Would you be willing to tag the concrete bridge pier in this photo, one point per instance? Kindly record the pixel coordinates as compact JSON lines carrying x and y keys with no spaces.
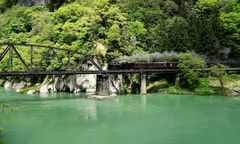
{"x":102,"y":88}
{"x":143,"y":89}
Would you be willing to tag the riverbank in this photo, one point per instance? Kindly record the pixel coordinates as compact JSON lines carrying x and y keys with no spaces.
{"x":50,"y":84}
{"x":87,"y":83}
{"x":210,"y":86}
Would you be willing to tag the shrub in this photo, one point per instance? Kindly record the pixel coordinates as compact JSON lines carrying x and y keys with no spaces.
{"x":219,"y":72}
{"x":4,"y":4}
{"x":179,"y":91}
{"x":204,"y":91}
{"x":189,"y":73}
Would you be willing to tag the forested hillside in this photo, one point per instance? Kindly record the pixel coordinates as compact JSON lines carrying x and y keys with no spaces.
{"x":112,"y":28}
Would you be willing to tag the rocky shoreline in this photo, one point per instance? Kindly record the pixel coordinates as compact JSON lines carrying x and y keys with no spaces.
{"x":65,"y":83}
{"x":71,"y":83}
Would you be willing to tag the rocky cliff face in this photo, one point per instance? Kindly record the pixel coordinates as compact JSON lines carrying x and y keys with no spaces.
{"x":33,"y":2}
{"x":72,"y":83}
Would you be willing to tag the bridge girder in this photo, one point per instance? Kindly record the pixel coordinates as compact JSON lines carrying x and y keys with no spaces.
{"x":40,"y":58}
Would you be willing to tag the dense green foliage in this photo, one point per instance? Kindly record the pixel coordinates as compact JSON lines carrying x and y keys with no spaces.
{"x":4,"y":4}
{"x":179,"y":25}
{"x":111,"y":29}
{"x":126,"y":27}
{"x":188,"y":65}
{"x":77,"y":26}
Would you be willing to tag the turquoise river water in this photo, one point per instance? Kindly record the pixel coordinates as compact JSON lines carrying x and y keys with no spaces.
{"x":132,"y":119}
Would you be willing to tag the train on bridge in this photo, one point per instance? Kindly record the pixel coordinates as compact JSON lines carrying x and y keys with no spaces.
{"x":138,"y":66}
{"x":159,"y":65}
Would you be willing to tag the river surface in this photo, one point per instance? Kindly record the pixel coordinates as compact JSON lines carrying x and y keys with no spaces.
{"x":132,"y":119}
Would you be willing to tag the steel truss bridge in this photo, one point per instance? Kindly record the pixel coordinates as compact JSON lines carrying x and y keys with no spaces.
{"x":30,"y":59}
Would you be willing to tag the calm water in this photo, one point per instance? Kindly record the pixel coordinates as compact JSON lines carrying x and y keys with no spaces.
{"x":133,"y":119}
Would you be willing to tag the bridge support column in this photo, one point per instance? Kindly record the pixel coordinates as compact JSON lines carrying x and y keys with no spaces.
{"x":102,"y":88}
{"x":143,"y":89}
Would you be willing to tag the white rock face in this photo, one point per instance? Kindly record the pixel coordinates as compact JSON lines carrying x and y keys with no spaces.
{"x":8,"y":85}
{"x":50,"y":88}
{"x":15,"y":86}
{"x":76,"y":83}
{"x":19,"y":86}
{"x":72,"y":83}
{"x":30,"y":92}
{"x":87,"y":82}
{"x":59,"y":84}
{"x":44,"y":89}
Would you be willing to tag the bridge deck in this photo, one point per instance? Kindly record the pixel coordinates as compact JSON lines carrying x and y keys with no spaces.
{"x":30,"y":73}
{"x":25,"y":73}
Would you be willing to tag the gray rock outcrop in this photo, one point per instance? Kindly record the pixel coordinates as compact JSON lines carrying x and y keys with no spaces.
{"x":44,"y":89}
{"x":8,"y":85}
{"x":71,"y":83}
{"x":30,"y":92}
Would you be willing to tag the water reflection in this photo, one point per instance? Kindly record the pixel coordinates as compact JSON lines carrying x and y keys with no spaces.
{"x":143,"y":99}
{"x":90,"y":110}
{"x":60,"y":95}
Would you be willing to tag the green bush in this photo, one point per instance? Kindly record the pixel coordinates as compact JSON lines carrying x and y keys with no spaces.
{"x":4,"y":4}
{"x":233,"y":77}
{"x":219,"y":91}
{"x":179,"y":91}
{"x":156,"y":86}
{"x":219,"y":72}
{"x":189,"y":73}
{"x":204,"y":91}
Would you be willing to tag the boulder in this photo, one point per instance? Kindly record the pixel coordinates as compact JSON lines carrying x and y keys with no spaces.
{"x":77,"y":91}
{"x":59,"y":84}
{"x":30,"y":92}
{"x":44,"y":89}
{"x":71,"y":83}
{"x":19,"y":86}
{"x":50,"y":88}
{"x":8,"y":85}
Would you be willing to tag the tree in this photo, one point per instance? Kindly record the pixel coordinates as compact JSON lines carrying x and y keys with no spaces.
{"x":231,"y":25}
{"x":188,"y":66}
{"x":177,"y":37}
{"x":209,"y":27}
{"x":4,"y":4}
{"x":219,"y":72}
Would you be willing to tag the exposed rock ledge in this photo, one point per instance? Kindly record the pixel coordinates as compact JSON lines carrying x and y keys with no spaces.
{"x":71,"y":83}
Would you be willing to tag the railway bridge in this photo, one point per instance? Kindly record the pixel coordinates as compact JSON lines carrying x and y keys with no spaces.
{"x":36,"y":60}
